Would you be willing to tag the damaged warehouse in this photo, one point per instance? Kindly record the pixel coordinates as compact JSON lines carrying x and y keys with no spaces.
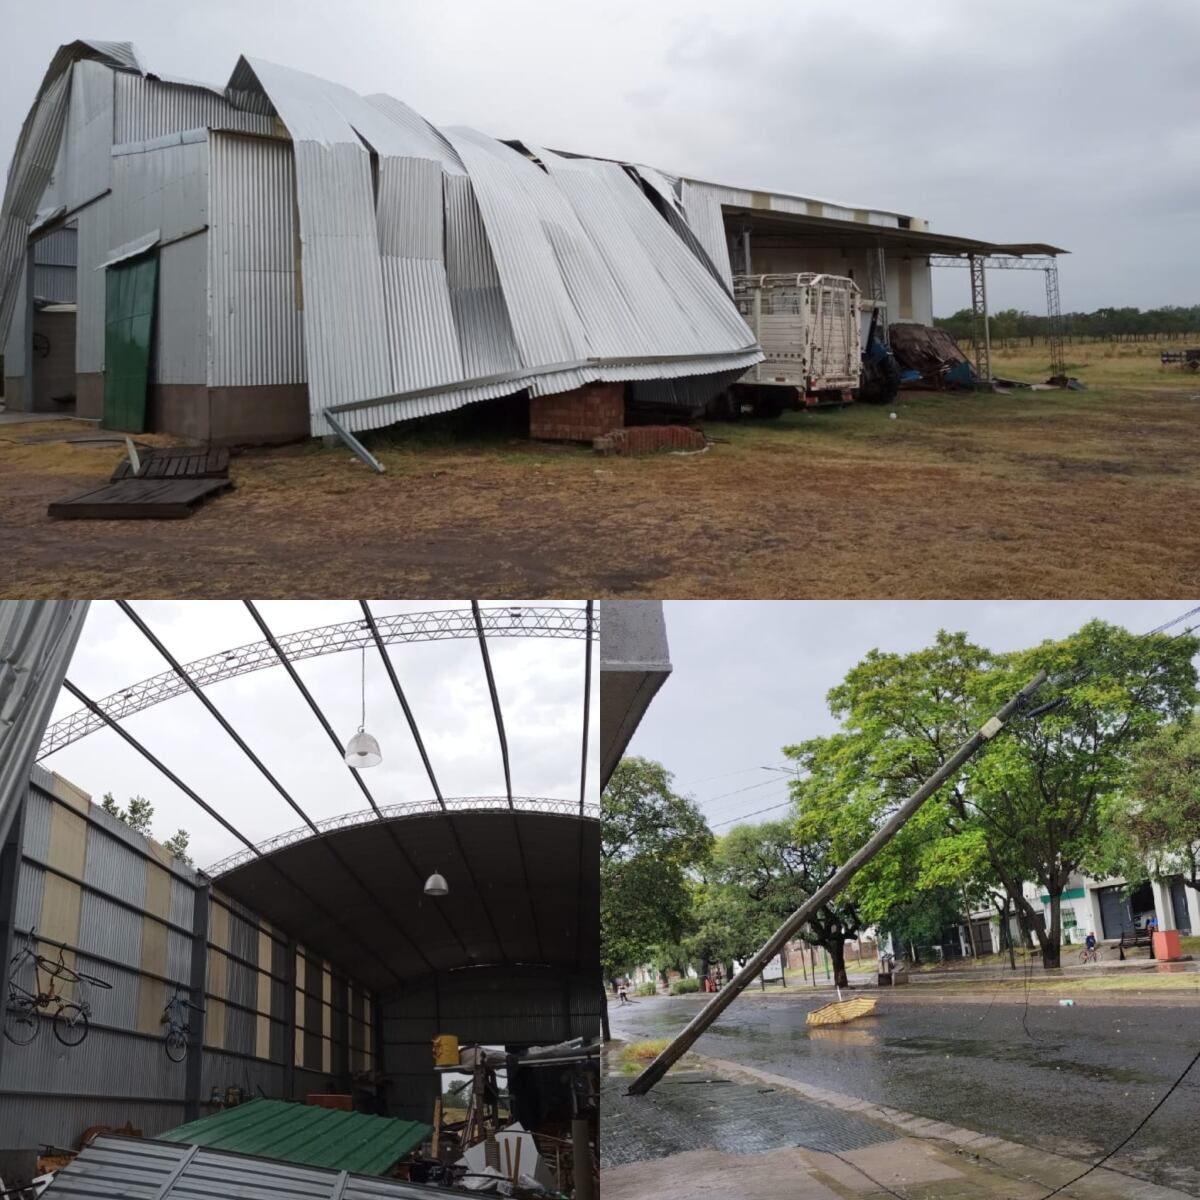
{"x":281,"y":258}
{"x":430,"y":963}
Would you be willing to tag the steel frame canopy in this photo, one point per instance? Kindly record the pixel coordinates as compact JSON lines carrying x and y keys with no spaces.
{"x":369,"y":914}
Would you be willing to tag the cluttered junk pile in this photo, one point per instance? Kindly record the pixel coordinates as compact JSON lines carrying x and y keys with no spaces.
{"x":930,"y":358}
{"x":523,"y":1125}
{"x":546,"y":1146}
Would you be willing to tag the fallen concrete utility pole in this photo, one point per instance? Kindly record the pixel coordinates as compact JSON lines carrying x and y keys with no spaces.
{"x":884,"y":834}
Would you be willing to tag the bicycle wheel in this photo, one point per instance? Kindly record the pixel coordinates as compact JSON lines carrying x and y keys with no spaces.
{"x":70,"y":1025}
{"x":21,"y":1024}
{"x":176,"y":1044}
{"x":1084,"y":955}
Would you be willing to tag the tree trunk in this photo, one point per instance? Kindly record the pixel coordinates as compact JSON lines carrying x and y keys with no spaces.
{"x":1052,"y":943}
{"x":837,"y":956}
{"x":970,"y":927}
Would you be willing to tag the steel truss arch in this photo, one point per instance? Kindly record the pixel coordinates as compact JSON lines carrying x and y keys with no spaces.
{"x":438,"y":625}
{"x":409,"y":808}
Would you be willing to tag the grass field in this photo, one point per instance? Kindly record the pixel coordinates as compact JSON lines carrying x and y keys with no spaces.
{"x":1031,"y":494}
{"x":1099,"y":364}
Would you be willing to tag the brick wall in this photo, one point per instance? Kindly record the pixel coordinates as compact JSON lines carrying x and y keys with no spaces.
{"x":578,"y":416}
{"x":646,"y":439}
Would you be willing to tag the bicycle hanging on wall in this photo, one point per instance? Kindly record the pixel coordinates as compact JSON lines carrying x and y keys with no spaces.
{"x":22,"y":1018}
{"x":175,"y":1018}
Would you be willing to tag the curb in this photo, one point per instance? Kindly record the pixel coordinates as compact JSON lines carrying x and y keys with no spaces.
{"x":1041,"y":1167}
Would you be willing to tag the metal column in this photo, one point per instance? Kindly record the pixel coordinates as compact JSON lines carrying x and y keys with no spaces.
{"x":10,"y":871}
{"x":877,"y":271}
{"x":1054,"y":325}
{"x":980,"y":334}
{"x":197,"y":989}
{"x":289,"y":1019}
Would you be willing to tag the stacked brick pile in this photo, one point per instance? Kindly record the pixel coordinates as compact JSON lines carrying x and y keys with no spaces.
{"x":646,"y":439}
{"x":578,"y":416}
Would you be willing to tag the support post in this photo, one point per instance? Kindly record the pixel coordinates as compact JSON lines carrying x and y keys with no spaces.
{"x":832,"y":887}
{"x":1054,"y":327}
{"x":10,"y":872}
{"x":289,"y":1019}
{"x":197,"y":989}
{"x":746,"y":267}
{"x":980,"y":333}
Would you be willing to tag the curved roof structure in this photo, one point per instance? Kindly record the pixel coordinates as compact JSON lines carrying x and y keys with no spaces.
{"x":492,"y":916}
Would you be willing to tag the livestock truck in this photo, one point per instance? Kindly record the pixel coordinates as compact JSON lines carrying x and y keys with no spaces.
{"x":810,"y":329}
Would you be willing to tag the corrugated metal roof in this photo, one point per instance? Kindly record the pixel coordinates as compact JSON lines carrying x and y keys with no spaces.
{"x":140,"y":1169}
{"x":304,"y":1133}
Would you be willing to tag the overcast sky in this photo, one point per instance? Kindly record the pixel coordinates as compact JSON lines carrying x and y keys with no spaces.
{"x":1075,"y":123}
{"x":540,"y":682}
{"x":751,"y":677}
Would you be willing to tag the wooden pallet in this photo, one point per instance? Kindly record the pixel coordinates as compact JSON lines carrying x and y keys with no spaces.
{"x":139,"y":499}
{"x":177,"y":462}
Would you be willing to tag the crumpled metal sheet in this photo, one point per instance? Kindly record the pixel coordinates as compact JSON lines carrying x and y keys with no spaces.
{"x":441,"y":267}
{"x":33,"y":161}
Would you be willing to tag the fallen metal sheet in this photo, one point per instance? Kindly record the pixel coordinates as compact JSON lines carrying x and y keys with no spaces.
{"x":141,"y":1169}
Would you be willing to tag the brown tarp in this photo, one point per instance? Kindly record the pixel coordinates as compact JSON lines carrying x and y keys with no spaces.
{"x":931,"y":352}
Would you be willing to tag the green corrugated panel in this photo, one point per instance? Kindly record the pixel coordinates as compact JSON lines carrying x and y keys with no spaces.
{"x":303,"y":1133}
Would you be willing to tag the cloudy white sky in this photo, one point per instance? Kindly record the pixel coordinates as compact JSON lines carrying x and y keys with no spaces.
{"x":1075,"y":123}
{"x":540,"y":682}
{"x":751,"y":677}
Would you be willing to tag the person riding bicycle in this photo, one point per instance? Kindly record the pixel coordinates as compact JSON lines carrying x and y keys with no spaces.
{"x":623,"y":991}
{"x":1090,"y":941}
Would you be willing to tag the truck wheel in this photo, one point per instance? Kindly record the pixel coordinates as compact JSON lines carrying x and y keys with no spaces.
{"x":770,"y":409}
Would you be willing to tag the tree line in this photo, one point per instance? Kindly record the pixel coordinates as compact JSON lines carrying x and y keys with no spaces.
{"x":1105,"y":324}
{"x":1106,"y":781}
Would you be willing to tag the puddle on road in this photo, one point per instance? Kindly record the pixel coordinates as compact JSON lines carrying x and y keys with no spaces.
{"x":1029,"y":1056}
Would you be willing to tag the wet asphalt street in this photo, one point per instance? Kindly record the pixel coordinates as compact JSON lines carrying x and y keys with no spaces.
{"x":1070,"y":1080}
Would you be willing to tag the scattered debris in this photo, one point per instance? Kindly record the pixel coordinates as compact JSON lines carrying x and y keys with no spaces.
{"x":647,"y":439}
{"x":840,"y":1011}
{"x":930,"y":357}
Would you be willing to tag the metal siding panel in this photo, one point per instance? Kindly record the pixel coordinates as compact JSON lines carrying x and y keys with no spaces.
{"x":183,"y":899}
{"x":179,"y":956}
{"x":114,"y":868}
{"x":56,"y":285}
{"x":14,"y":346}
{"x":147,"y":108}
{"x":29,"y":896}
{"x":109,"y":930}
{"x":117,"y":1005}
{"x":57,"y":249}
{"x":38,"y":807}
{"x":108,"y":1064}
{"x":88,"y":134}
{"x":61,"y":1121}
{"x":257,"y":323}
{"x":163,"y":187}
{"x":93,"y":246}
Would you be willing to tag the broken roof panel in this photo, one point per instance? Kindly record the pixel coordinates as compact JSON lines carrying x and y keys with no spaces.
{"x":141,"y":1169}
{"x":308,"y":1134}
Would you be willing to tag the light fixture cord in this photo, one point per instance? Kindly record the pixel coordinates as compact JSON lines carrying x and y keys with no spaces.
{"x":363,"y":722}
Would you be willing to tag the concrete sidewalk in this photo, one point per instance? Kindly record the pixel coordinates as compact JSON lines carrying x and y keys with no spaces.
{"x":909,"y":1157}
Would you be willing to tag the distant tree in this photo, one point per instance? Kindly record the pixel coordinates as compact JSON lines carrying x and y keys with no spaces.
{"x":651,"y":840}
{"x":1156,"y":821}
{"x":139,"y":816}
{"x":922,"y":919}
{"x":771,"y":869}
{"x":177,"y":846}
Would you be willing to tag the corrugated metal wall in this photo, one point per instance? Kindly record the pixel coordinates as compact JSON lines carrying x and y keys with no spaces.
{"x":54,"y":258}
{"x":146,"y":108}
{"x":123,"y":911}
{"x":257,"y":334}
{"x":501,"y":1006}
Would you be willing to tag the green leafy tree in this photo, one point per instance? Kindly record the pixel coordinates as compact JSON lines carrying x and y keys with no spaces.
{"x":922,"y":919}
{"x":1028,"y":807}
{"x":177,"y":846}
{"x":139,"y":816}
{"x":1156,"y":821}
{"x":651,"y":840}
{"x":770,"y":870}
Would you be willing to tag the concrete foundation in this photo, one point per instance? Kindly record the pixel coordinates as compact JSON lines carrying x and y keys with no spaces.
{"x":89,"y":396}
{"x":14,"y":393}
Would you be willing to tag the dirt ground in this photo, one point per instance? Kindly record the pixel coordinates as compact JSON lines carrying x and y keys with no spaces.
{"x":1032,"y":494}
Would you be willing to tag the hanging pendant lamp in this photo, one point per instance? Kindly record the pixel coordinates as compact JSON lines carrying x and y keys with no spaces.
{"x":363,"y":750}
{"x":436,"y":885}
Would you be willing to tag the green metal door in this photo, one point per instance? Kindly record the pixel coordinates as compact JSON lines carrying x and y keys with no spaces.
{"x":129,"y":294}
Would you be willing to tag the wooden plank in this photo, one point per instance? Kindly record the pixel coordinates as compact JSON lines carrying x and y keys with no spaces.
{"x":177,"y":462}
{"x":134,"y":499}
